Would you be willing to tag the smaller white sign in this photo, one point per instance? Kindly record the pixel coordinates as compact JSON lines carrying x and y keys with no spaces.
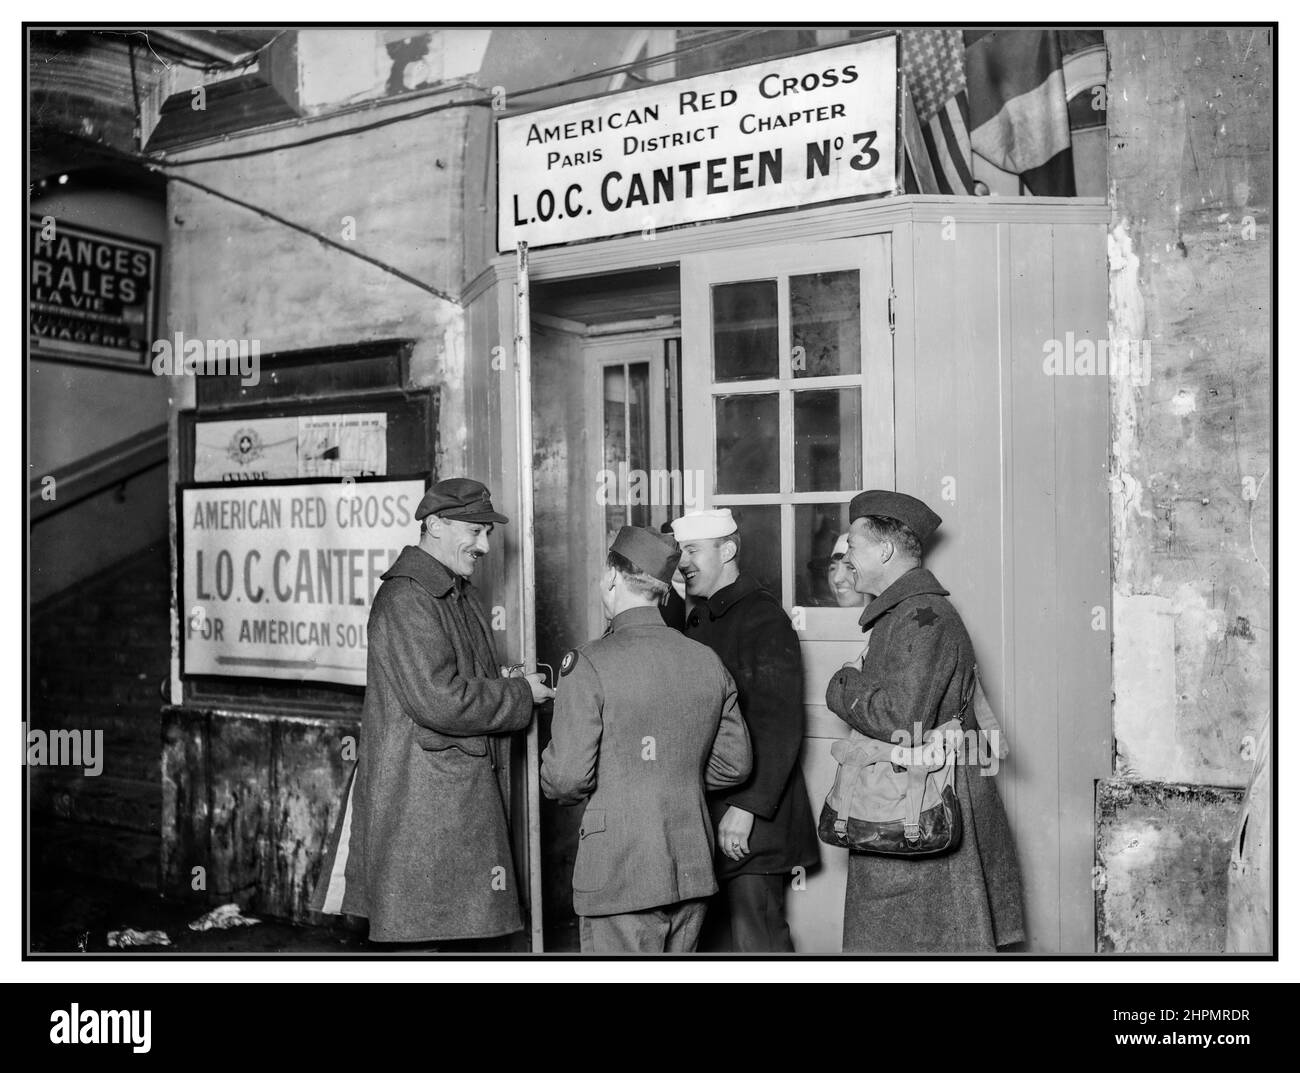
{"x":257,"y":449}
{"x":343,"y":445}
{"x":280,"y":448}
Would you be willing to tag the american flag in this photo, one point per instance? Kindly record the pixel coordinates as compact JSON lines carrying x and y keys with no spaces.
{"x":934,"y":64}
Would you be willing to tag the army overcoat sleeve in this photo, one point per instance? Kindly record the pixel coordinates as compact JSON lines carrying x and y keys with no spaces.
{"x":419,"y":637}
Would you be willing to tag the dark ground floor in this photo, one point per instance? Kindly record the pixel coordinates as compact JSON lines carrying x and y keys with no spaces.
{"x":74,"y":913}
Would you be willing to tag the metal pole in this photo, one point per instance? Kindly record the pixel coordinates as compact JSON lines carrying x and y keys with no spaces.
{"x":528,"y":600}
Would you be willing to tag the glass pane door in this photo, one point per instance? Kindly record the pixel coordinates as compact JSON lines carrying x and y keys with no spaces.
{"x":788,"y":382}
{"x":788,"y":410}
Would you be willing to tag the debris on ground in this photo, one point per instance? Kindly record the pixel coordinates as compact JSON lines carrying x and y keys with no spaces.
{"x":132,"y":937}
{"x":223,"y":916}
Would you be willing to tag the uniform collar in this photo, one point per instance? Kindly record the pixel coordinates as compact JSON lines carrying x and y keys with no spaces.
{"x":916,"y":582}
{"x":428,"y":572}
{"x":637,"y":616}
{"x":727,"y":597}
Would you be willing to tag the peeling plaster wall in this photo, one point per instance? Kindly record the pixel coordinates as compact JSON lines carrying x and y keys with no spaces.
{"x":1190,"y":114}
{"x":1163,"y":850}
{"x":252,"y":797}
{"x":392,"y":194}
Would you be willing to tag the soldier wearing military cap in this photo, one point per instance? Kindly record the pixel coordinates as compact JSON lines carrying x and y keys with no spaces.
{"x":765,"y":828}
{"x":645,"y":720}
{"x":426,"y":855}
{"x":918,"y":669}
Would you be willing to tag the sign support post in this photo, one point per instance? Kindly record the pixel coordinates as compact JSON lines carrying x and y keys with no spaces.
{"x":528,"y":600}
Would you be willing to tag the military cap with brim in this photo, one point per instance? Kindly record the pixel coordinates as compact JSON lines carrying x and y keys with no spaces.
{"x":909,"y":510}
{"x":650,"y":552}
{"x":459,"y":499}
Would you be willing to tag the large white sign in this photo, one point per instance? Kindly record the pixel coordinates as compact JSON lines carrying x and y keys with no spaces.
{"x":277,"y":580}
{"x":806,"y":129}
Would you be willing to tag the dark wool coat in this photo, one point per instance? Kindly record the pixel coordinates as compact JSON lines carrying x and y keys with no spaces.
{"x":751,"y":633}
{"x":644,"y":721}
{"x":919,"y":664}
{"x":429,"y":852}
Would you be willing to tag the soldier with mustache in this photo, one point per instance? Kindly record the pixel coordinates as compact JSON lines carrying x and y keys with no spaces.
{"x":427,"y":849}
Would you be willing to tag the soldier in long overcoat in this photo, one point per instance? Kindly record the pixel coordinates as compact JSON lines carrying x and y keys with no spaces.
{"x":428,"y":852}
{"x":918,"y":667}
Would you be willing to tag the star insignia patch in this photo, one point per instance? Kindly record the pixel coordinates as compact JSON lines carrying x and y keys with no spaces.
{"x":924,"y":616}
{"x":569,"y":662}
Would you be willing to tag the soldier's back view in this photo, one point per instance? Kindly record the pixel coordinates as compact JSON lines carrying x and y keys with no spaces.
{"x":645,"y":721}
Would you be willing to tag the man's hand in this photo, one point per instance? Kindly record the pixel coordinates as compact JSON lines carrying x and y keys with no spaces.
{"x":733,"y":832}
{"x":541,"y":691}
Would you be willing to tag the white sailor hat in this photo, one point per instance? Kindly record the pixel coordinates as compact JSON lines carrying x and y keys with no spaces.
{"x":703,"y":524}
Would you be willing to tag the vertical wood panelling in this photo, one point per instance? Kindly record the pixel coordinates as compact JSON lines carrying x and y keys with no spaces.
{"x":906,"y":297}
{"x":815,"y":909}
{"x":957,"y":384}
{"x":999,"y":673}
{"x":877,"y":375}
{"x":1034,"y":762}
{"x":963,"y":323}
{"x":1082,"y":407}
{"x":987,"y":427}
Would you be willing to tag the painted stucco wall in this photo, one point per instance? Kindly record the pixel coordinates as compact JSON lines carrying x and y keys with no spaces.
{"x":1190,"y":114}
{"x":392,"y":194}
{"x":252,"y":797}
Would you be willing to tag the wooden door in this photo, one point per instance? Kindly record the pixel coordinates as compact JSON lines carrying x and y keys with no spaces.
{"x":787,"y":375}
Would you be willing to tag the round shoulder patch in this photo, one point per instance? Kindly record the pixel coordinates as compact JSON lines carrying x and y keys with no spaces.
{"x":569,"y":662}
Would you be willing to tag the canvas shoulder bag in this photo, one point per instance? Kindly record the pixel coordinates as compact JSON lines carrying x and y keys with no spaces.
{"x":896,"y":801}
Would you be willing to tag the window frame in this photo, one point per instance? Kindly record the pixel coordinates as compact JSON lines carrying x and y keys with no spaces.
{"x":870,"y":255}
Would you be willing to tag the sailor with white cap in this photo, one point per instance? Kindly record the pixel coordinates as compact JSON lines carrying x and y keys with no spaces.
{"x":765,"y":826}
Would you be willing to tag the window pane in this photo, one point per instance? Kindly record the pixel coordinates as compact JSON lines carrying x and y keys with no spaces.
{"x":825,"y":321}
{"x":615,"y":453}
{"x":816,"y":528}
{"x":828,"y":440}
{"x":744,"y":331}
{"x":760,"y":548}
{"x":627,"y":440}
{"x":638,"y":426}
{"x":748,"y":444}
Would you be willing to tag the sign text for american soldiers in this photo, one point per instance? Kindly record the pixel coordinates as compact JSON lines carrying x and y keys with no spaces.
{"x":278,"y":579}
{"x":797,"y":131}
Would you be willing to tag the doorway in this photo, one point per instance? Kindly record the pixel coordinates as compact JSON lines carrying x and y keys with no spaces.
{"x":635,"y":399}
{"x":607,"y":441}
{"x":790,"y":413}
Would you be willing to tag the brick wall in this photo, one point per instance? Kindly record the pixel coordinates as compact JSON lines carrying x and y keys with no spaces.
{"x":98,"y":654}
